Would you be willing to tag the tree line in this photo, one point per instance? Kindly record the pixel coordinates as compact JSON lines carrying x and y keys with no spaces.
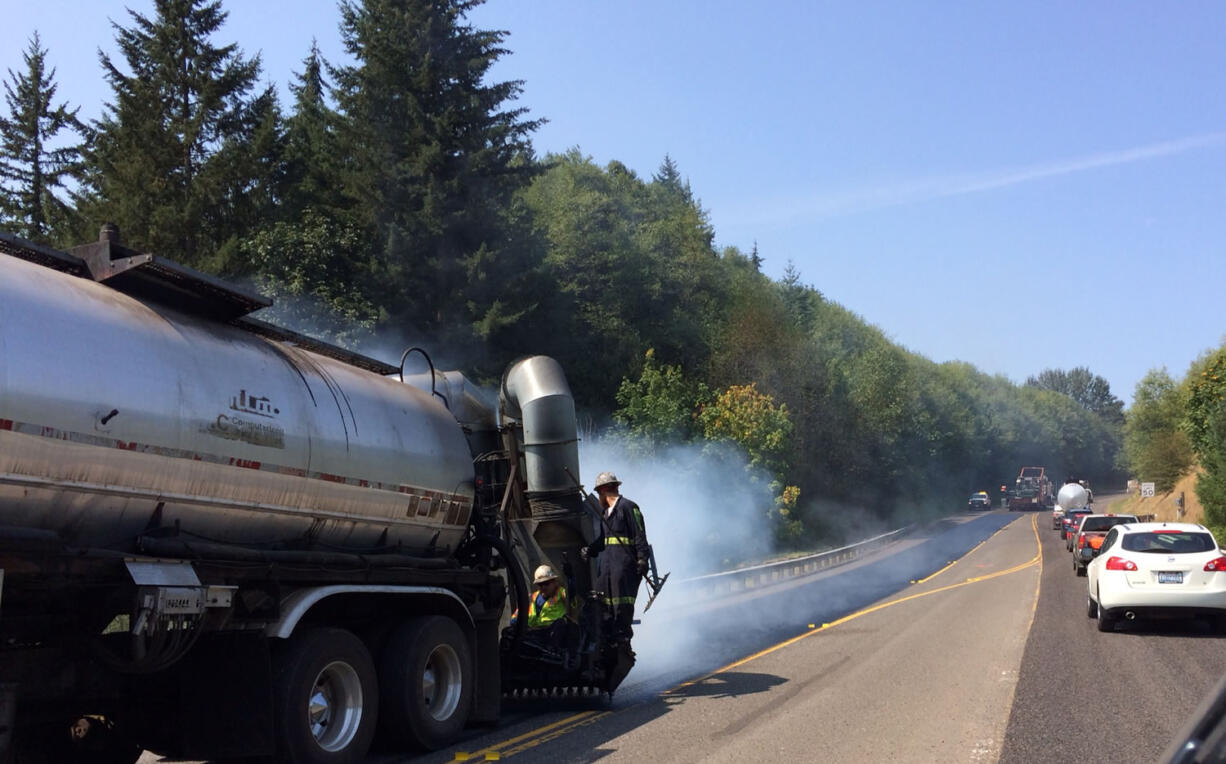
{"x":1178,"y":426}
{"x":400,"y":194}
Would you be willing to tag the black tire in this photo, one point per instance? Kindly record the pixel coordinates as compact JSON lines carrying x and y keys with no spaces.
{"x":327,"y":698}
{"x":1091,"y":607}
{"x":427,"y":679}
{"x":1105,"y":622}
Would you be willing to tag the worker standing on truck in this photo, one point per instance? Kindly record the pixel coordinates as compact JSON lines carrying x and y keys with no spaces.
{"x":622,"y":552}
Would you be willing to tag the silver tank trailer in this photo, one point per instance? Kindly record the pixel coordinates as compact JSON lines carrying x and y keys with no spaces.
{"x":111,"y":408}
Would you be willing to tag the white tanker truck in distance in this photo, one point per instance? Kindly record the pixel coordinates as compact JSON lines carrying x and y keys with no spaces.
{"x":1073,"y":496}
{"x":220,"y":539}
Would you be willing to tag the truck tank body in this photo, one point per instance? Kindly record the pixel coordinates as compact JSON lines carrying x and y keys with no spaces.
{"x":1072,"y":496}
{"x":117,"y":415}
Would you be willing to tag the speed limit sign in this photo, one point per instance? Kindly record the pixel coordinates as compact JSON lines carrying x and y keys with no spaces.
{"x":1147,"y":489}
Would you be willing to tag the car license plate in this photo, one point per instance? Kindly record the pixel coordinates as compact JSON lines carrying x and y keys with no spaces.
{"x":1170,"y":577}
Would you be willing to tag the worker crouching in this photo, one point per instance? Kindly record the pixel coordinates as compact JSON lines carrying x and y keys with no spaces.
{"x":548,"y":609}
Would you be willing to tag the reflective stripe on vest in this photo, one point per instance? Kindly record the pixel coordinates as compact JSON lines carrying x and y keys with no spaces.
{"x":626,"y":540}
{"x":619,"y":600}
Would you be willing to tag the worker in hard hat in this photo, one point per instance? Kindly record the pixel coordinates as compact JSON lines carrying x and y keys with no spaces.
{"x":621,"y":552}
{"x":549,"y":602}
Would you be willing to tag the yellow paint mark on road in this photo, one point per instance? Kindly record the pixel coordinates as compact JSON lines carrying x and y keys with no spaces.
{"x":948,"y":565}
{"x":540,"y":735}
{"x":963,"y":557}
{"x":1038,"y":558}
{"x":559,"y":732}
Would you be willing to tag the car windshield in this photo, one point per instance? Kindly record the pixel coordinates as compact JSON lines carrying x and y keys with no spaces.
{"x":1169,"y":542}
{"x":1104,"y":523}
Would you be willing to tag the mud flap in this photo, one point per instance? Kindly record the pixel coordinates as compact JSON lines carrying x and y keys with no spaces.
{"x":487,"y":690}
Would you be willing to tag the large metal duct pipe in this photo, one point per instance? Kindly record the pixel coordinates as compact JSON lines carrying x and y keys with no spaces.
{"x":536,"y":405}
{"x":535,"y":395}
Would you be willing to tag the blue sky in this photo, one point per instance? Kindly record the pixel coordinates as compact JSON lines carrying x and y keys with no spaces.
{"x":1016,"y":185}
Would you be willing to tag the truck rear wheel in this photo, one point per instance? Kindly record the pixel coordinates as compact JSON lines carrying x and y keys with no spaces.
{"x":327,"y":698}
{"x":426,"y":678}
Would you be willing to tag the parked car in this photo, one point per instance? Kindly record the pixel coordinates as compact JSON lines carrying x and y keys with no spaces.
{"x":1157,"y":570}
{"x":979,"y":501}
{"x":1089,"y":537}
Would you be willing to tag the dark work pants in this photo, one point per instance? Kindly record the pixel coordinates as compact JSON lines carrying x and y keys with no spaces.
{"x":618,"y":577}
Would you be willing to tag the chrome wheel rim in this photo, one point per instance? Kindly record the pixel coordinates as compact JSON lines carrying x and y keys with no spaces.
{"x":334,"y":709}
{"x":442,"y":683}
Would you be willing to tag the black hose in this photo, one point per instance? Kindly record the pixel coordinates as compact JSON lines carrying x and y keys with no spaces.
{"x":433,"y":391}
{"x":517,"y":580}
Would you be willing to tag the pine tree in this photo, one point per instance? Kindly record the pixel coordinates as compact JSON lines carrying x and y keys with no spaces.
{"x":35,"y":162}
{"x":436,"y":159}
{"x":312,"y":152}
{"x":176,"y":163}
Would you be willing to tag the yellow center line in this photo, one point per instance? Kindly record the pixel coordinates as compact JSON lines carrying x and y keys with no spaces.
{"x":1029,"y":563}
{"x":575,"y":720}
{"x":963,"y":557}
{"x":559,"y":732}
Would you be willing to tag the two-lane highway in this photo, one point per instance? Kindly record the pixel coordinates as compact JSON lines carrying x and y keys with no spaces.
{"x":925,"y":674}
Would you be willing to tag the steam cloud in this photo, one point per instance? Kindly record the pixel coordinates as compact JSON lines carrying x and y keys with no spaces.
{"x":703,"y":510}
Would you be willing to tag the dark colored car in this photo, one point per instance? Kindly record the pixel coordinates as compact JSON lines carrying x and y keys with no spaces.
{"x":1068,"y":523}
{"x":979,"y":501}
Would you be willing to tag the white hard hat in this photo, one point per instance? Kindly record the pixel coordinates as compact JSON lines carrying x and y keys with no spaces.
{"x":544,"y":573}
{"x":607,"y":478}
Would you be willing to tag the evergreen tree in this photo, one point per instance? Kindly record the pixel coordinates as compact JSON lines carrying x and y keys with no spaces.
{"x":183,"y":153}
{"x":35,"y":162}
{"x":312,"y":152}
{"x":436,"y":159}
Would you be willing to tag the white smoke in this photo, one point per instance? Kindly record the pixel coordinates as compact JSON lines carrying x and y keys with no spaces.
{"x":703,"y":509}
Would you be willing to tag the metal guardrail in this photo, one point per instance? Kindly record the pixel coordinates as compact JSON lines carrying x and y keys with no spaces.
{"x":714,"y":585}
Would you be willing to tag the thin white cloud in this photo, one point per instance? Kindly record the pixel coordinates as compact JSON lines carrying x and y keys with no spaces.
{"x":848,"y":202}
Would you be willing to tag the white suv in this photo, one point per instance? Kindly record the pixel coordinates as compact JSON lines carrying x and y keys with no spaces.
{"x":1157,"y":570}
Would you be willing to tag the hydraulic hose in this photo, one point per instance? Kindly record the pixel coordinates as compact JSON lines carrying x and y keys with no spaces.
{"x":516,"y":574}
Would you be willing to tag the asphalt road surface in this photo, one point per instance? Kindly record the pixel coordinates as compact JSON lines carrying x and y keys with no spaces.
{"x":967,"y":641}
{"x":1088,"y":696}
{"x":921,"y":672}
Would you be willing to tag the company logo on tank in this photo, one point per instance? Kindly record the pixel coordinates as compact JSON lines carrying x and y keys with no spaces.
{"x":234,"y":427}
{"x":255,"y":433}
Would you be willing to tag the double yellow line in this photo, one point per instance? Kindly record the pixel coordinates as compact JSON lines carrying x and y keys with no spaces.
{"x":564,"y":726}
{"x":534,"y":738}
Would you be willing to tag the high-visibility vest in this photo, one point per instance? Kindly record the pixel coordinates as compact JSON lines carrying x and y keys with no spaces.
{"x":542,"y":612}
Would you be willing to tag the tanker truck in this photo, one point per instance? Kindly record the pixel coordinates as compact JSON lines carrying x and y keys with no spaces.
{"x":220,"y":538}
